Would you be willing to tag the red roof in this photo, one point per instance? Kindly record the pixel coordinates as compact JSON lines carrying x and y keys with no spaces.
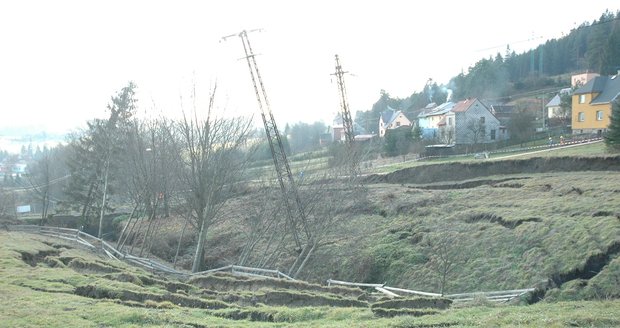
{"x":463,"y":105}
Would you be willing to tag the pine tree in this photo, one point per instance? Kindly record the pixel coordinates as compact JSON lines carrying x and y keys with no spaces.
{"x":612,"y":139}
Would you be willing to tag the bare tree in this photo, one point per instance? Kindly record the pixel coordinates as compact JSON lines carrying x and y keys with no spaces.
{"x":7,"y":203}
{"x":328,"y":201}
{"x":476,"y":130}
{"x":445,"y":256}
{"x":148,"y":170}
{"x":447,"y":135}
{"x":212,"y":163}
{"x":40,"y":180}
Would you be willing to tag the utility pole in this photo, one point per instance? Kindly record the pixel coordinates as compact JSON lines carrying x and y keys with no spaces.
{"x":347,"y":122}
{"x":294,"y":208}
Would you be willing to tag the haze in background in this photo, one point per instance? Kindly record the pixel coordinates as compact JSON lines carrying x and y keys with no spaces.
{"x":61,"y":61}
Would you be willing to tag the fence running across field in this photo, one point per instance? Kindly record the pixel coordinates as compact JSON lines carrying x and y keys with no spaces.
{"x":494,"y":296}
{"x":95,"y":243}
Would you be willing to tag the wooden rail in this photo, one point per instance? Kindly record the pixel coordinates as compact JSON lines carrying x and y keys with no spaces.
{"x":93,"y":242}
{"x":493,"y":296}
{"x":149,"y":264}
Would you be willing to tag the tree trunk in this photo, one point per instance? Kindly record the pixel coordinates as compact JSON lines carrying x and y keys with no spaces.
{"x":120,"y":237}
{"x":176,"y":255}
{"x":303,"y":264}
{"x":103,"y":201}
{"x":199,"y":255}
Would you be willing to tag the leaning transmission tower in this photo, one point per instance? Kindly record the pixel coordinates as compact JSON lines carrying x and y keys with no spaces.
{"x":352,"y":157}
{"x":294,"y":209}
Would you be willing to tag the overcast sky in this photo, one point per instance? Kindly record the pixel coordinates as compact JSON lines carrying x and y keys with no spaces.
{"x":61,"y":61}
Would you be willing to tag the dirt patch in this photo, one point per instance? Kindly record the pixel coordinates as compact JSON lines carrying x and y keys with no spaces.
{"x":300,"y":299}
{"x":390,"y":313}
{"x":57,"y":246}
{"x":98,"y":292}
{"x":33,"y":258}
{"x":592,"y":266}
{"x":492,"y":218}
{"x":437,"y":303}
{"x":498,"y":183}
{"x":246,"y":314}
{"x":604,"y":213}
{"x":466,"y":171}
{"x":83,"y":266}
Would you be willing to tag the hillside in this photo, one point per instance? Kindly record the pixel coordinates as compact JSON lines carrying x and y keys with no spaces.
{"x":550,"y":223}
{"x":53,"y":283}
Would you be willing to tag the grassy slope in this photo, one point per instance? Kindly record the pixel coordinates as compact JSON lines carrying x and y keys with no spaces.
{"x":393,"y":247}
{"x":568,"y":218}
{"x":41,"y":296}
{"x":593,"y":149}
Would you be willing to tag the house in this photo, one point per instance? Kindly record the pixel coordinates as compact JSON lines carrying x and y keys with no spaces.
{"x":554,"y":108}
{"x":592,"y":104}
{"x":471,"y":122}
{"x":579,"y":80}
{"x":392,"y":119}
{"x":431,"y":117}
{"x":503,"y":112}
{"x":337,"y":130}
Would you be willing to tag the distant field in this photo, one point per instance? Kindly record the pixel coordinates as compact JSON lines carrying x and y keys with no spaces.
{"x":592,"y":149}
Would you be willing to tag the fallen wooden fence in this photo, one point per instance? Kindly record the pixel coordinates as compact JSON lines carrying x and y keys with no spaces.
{"x":493,"y":296}
{"x":248,"y":271}
{"x":93,"y":242}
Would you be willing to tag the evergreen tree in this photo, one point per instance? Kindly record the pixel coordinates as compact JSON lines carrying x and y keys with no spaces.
{"x":612,"y":139}
{"x":93,"y":158}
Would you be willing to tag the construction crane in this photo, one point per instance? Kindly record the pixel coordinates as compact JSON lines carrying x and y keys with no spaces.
{"x":294,"y":207}
{"x":347,"y":122}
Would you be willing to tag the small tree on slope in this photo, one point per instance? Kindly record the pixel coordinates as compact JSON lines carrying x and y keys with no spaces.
{"x":612,"y":139}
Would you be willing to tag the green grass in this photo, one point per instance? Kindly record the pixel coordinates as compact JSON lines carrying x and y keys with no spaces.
{"x":394,"y":248}
{"x":38,"y":296}
{"x":593,"y":149}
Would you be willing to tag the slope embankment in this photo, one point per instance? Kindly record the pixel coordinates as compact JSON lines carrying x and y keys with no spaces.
{"x":463,"y":171}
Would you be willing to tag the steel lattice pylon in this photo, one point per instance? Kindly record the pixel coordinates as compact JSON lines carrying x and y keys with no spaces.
{"x":347,"y":123}
{"x":294,"y":207}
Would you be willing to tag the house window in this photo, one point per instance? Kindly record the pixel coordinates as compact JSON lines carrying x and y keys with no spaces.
{"x":397,"y":123}
{"x":599,"y":115}
{"x":481,"y":119}
{"x":449,"y":120}
{"x":582,"y":99}
{"x":581,"y":117}
{"x":493,"y":134}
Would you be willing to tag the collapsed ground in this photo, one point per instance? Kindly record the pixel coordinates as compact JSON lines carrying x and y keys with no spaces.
{"x":547,"y":223}
{"x":49,"y":282}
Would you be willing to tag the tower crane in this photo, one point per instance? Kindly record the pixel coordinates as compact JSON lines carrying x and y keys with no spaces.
{"x":294,"y":208}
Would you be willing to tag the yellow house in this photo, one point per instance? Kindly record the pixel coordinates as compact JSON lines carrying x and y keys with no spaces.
{"x":591,"y":110}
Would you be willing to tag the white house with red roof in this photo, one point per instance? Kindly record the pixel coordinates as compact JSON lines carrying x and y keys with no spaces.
{"x":471,"y":122}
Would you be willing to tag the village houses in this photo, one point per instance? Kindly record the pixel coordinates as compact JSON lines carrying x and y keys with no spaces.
{"x":392,"y":119}
{"x":591,"y":110}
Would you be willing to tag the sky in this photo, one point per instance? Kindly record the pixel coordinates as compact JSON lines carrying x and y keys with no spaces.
{"x":61,"y":61}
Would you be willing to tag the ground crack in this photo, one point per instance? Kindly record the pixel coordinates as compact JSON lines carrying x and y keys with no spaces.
{"x":499,"y":220}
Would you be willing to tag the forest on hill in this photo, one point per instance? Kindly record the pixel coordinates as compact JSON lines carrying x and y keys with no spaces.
{"x":593,"y":47}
